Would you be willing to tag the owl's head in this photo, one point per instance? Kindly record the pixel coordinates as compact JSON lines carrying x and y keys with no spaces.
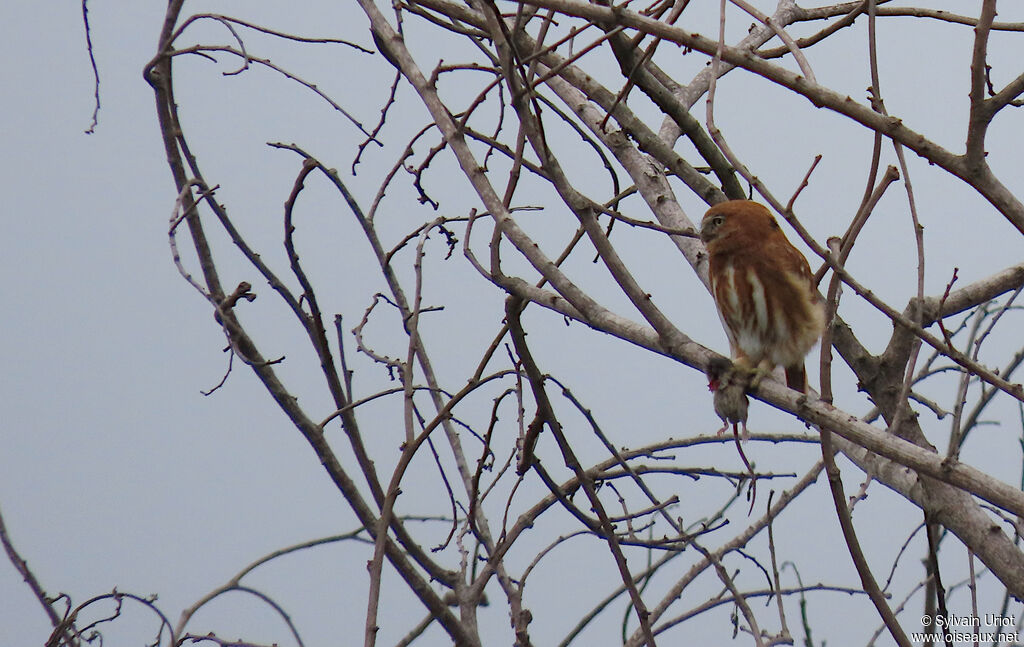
{"x":736,"y":221}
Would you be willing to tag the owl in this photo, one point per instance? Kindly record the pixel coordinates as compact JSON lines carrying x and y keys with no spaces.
{"x":763,"y":288}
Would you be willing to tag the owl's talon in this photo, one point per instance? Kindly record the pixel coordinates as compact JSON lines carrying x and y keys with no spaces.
{"x":757,"y":375}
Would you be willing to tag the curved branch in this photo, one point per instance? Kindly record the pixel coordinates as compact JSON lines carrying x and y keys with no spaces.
{"x":980,"y":177}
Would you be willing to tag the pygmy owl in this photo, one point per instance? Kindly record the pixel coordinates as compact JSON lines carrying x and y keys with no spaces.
{"x":763,"y":288}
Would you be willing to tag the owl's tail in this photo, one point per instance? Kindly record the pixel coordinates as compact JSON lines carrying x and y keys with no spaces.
{"x":796,"y":378}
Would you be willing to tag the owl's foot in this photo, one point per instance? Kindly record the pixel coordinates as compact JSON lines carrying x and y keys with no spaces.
{"x":755,"y":375}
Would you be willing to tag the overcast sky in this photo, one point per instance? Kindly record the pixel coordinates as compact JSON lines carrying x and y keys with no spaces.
{"x":116,"y":472}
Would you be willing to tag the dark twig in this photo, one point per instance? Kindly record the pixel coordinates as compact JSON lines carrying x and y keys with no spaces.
{"x":932,"y":532}
{"x":27,"y":575}
{"x":945,"y":295}
{"x":546,"y":414}
{"x":856,"y":553}
{"x":266,"y":62}
{"x":95,"y":71}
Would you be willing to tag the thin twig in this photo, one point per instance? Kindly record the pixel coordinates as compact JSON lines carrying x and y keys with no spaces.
{"x":95,"y":71}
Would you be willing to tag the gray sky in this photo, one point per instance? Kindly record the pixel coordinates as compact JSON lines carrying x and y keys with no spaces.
{"x":116,"y":472}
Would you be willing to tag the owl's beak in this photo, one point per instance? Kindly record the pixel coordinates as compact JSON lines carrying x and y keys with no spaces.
{"x":706,"y":232}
